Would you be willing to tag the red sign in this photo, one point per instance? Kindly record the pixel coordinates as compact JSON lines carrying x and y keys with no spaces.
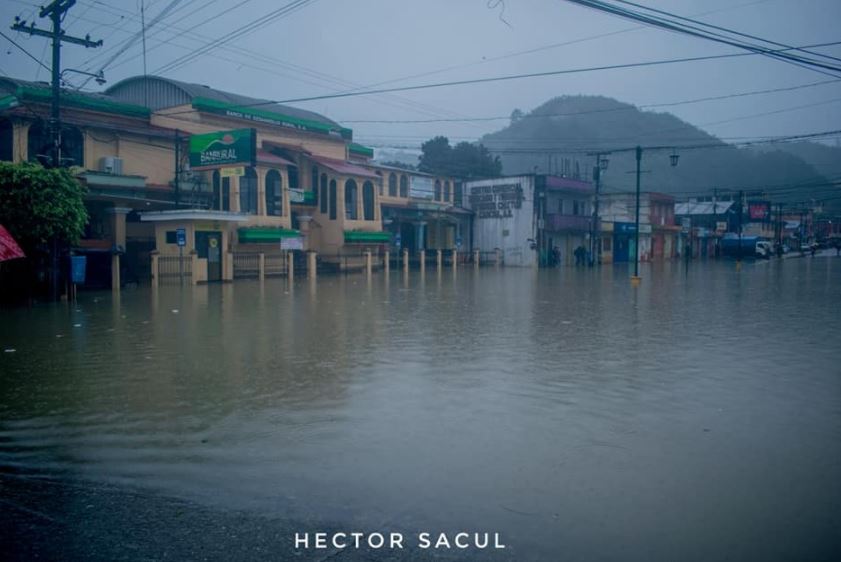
{"x":9,"y":249}
{"x":759,"y":210}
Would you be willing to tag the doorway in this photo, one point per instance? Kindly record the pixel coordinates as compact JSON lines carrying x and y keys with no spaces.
{"x":209,"y":247}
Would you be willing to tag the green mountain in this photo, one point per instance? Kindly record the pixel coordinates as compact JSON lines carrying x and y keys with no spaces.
{"x":557,"y":136}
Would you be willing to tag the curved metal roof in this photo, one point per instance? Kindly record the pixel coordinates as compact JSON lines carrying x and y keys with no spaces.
{"x":157,"y":92}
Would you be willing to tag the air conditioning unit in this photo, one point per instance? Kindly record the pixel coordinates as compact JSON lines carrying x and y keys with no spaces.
{"x":111,"y":165}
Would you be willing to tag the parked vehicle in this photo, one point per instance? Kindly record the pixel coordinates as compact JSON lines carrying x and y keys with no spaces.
{"x":764,"y":249}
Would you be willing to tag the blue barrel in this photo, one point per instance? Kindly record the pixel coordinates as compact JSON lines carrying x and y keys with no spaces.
{"x":77,"y":269}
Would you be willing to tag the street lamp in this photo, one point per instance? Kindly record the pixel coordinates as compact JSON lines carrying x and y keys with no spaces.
{"x":673,"y":157}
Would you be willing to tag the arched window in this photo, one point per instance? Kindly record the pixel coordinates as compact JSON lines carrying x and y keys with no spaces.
{"x":6,"y":140}
{"x":314,"y":184}
{"x":404,"y":186}
{"x":333,"y":200}
{"x":392,"y":185}
{"x":38,"y":142}
{"x":437,"y":190}
{"x":350,"y":200}
{"x":248,"y":192}
{"x":274,"y":194}
{"x":368,"y":201}
{"x":323,"y":200}
{"x":72,"y":145}
{"x":447,"y":190}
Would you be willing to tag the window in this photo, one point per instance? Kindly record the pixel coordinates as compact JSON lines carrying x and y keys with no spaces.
{"x":248,"y":192}
{"x":72,"y":147}
{"x":560,"y":206}
{"x":171,"y":237}
{"x":368,"y":201}
{"x":292,"y":173}
{"x":38,"y":142}
{"x":392,"y":185}
{"x":446,"y":190}
{"x":274,"y":194}
{"x":6,"y":140}
{"x":323,"y":200}
{"x":437,"y":190}
{"x":314,"y":183}
{"x":459,"y":194}
{"x":404,"y":186}
{"x":576,"y":207}
{"x":350,"y":200}
{"x":221,"y":192}
{"x":333,"y":199}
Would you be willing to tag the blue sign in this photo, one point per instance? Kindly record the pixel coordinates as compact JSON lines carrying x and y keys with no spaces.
{"x":181,"y":237}
{"x":397,"y":241}
{"x":77,"y":269}
{"x":624,"y":227}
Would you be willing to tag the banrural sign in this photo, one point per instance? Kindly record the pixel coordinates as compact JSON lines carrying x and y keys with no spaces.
{"x":223,"y":149}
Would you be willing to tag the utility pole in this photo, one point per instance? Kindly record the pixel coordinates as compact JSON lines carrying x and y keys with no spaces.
{"x":178,"y":168}
{"x":715,"y":220}
{"x":636,"y":278}
{"x":55,"y":11}
{"x":595,"y":229}
{"x":739,"y":251}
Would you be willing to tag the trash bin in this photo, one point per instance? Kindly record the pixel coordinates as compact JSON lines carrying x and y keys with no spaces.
{"x":77,"y":269}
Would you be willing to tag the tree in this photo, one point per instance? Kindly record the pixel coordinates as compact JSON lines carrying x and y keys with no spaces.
{"x":465,"y":160}
{"x":399,"y":164}
{"x":516,"y":115}
{"x":38,"y":205}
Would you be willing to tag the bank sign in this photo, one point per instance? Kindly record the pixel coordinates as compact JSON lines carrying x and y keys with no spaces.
{"x":223,"y":149}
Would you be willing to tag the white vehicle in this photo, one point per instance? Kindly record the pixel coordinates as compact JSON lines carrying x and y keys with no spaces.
{"x":764,"y":249}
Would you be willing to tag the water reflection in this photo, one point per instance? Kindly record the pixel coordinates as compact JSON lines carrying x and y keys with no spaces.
{"x":570,"y":411}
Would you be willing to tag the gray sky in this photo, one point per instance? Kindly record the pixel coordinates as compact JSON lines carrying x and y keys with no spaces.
{"x":333,"y":45}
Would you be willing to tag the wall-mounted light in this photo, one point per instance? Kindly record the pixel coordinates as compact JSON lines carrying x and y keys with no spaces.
{"x":673,"y":158}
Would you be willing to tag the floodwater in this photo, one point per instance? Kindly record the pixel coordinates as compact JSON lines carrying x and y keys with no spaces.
{"x":697,"y":417}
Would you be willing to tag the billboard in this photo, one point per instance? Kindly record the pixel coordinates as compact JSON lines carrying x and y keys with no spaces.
{"x":421,"y":187}
{"x":759,"y":211}
{"x":223,"y":149}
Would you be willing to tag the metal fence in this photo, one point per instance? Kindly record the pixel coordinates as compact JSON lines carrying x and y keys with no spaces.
{"x":275,"y":265}
{"x":246,"y":265}
{"x":172,"y":268}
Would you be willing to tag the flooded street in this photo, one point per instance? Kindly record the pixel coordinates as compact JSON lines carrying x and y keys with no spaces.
{"x":697,"y":417}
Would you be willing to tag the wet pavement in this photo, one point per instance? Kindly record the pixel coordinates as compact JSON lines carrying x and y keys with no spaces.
{"x":697,"y":417}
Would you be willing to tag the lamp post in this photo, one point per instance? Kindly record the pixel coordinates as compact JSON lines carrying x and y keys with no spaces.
{"x":595,"y":229}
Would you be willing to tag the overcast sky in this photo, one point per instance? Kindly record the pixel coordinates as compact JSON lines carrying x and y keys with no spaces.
{"x":328,"y":46}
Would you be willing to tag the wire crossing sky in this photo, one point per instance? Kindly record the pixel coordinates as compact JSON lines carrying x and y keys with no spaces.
{"x":317,"y":49}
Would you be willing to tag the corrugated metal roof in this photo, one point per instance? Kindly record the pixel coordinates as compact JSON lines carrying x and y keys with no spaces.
{"x":704,"y":208}
{"x":157,"y":92}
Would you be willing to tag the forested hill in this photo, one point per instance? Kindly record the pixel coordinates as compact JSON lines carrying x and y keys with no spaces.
{"x":563,"y":128}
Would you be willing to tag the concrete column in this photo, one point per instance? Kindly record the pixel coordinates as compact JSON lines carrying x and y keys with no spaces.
{"x":420,"y":235}
{"x":498,"y":257}
{"x":290,"y":265}
{"x":194,"y":267}
{"x":387,"y":261}
{"x":262,"y":266}
{"x":439,"y":259}
{"x":476,"y":258}
{"x":234,"y":182}
{"x":154,"y":257}
{"x":311,"y":265}
{"x":422,"y":254}
{"x":369,"y":265}
{"x":455,"y":259}
{"x":261,"y":193}
{"x":405,"y":261}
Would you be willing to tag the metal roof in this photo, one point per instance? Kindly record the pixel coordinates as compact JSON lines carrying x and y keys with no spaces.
{"x":157,"y":92}
{"x":704,"y":208}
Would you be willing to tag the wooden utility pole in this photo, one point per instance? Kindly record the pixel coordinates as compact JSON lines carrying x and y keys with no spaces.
{"x":55,"y":11}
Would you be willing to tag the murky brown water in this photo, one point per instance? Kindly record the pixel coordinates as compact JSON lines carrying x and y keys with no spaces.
{"x":698,"y":417}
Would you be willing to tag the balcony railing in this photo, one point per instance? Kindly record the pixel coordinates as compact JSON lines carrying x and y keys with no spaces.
{"x":568,"y":222}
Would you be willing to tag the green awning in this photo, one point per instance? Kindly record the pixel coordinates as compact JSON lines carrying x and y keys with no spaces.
{"x":44,"y":95}
{"x":7,"y":102}
{"x":367,"y":237}
{"x":263,"y":235}
{"x":359,"y":149}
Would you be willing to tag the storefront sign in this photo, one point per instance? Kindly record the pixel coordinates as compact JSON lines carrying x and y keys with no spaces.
{"x":181,"y":237}
{"x":223,"y":149}
{"x":296,"y":195}
{"x":421,"y":187}
{"x":496,"y":201}
{"x":721,"y":226}
{"x":759,"y":211}
{"x":232,"y":172}
{"x":292,"y":243}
